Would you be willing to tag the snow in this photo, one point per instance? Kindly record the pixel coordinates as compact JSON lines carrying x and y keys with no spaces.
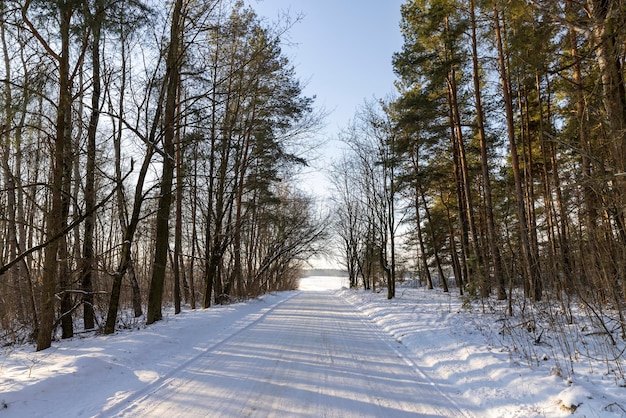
{"x":323,"y":283}
{"x":321,"y":351}
{"x":465,"y":349}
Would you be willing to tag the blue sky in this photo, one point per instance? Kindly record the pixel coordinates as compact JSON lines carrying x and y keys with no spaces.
{"x":343,"y":50}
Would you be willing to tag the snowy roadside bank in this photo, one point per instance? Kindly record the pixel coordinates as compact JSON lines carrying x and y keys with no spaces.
{"x":85,"y":376}
{"x":455,"y":347}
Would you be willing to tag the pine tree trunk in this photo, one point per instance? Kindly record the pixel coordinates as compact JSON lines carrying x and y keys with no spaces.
{"x":528,"y":181}
{"x":607,"y":17}
{"x":466,"y":205}
{"x":456,"y":265}
{"x":494,"y":249}
{"x":442,"y":278}
{"x":420,"y":235}
{"x":529,"y":267}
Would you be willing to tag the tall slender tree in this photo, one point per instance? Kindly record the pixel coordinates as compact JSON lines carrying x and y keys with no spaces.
{"x":173,"y":64}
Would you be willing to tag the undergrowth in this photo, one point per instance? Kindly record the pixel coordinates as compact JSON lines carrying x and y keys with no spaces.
{"x":570,"y":336}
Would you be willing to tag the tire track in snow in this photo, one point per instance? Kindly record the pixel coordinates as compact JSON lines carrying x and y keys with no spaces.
{"x":124,"y":405}
{"x":396,"y":347}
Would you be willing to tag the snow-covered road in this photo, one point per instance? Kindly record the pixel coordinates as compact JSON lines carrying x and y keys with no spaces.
{"x":308,"y":353}
{"x":313,"y":355}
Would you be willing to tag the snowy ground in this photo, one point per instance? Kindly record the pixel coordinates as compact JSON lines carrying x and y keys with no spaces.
{"x":453,"y":355}
{"x":467,"y":350}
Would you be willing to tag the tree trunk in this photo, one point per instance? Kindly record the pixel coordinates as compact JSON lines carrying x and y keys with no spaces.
{"x":494,"y":249}
{"x":95,"y":21}
{"x":19,"y":276}
{"x":390,"y":190}
{"x":442,"y":278}
{"x":178,"y":264}
{"x":54,"y":217}
{"x":464,"y":189}
{"x":590,"y":197}
{"x":170,"y":123}
{"x":529,"y":266}
{"x":607,"y":20}
{"x":420,"y":236}
{"x":129,"y":226}
{"x":456,"y":266}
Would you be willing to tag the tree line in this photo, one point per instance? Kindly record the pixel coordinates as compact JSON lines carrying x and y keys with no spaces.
{"x":148,"y":152}
{"x":500,"y":162}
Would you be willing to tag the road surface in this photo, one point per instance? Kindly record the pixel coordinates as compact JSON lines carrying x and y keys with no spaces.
{"x":313,"y":355}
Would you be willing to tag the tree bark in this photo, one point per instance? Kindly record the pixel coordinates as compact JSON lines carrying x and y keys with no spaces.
{"x":170,"y":123}
{"x":54,"y":221}
{"x":494,"y":249}
{"x":529,"y":266}
{"x":95,"y":21}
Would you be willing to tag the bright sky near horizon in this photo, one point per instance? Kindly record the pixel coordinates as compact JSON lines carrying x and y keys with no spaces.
{"x":342,"y":50}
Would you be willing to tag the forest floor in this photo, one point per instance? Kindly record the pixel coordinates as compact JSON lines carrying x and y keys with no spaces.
{"x":321,"y":351}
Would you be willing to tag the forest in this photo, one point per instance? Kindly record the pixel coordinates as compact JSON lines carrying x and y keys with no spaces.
{"x":499,"y":166}
{"x":148,"y":152}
